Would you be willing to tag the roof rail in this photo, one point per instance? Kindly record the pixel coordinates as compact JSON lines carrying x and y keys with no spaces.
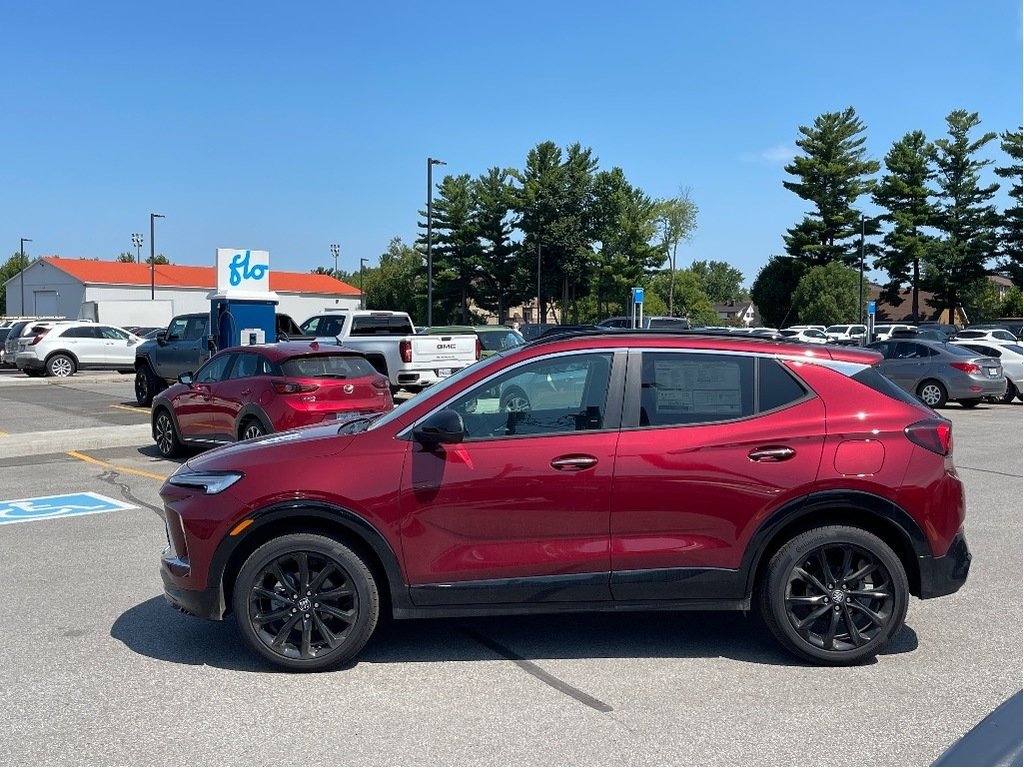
{"x":586,"y":331}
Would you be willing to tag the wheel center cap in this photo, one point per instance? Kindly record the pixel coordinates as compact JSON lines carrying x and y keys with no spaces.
{"x":838,"y":596}
{"x":304,"y":604}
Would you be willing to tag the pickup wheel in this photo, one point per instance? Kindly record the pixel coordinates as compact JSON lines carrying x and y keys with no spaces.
{"x":145,"y":386}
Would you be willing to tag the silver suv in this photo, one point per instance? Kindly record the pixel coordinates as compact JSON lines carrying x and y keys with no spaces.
{"x":62,"y":348}
{"x":22,"y":325}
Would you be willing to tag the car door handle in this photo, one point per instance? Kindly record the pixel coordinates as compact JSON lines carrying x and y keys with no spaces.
{"x":772,"y":453}
{"x":574,"y":463}
{"x":245,"y":392}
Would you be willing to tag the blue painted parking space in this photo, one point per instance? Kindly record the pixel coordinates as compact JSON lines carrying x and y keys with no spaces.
{"x":64,"y":505}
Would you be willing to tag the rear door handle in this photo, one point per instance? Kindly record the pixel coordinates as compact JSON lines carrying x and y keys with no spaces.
{"x":772,"y":453}
{"x":574,"y":463}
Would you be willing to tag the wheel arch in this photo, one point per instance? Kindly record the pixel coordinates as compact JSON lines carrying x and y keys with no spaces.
{"x":318,"y":518}
{"x":67,"y":353}
{"x":163,"y":404}
{"x":857,"y":509}
{"x":252,"y":411}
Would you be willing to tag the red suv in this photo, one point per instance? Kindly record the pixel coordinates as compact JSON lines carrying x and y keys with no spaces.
{"x":604,"y":471}
{"x":245,"y":392}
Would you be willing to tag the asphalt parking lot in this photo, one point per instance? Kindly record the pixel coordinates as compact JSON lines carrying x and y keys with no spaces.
{"x":97,"y":669}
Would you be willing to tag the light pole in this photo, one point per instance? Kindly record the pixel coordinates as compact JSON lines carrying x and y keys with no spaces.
{"x":21,"y":252}
{"x":152,"y":255}
{"x":539,"y":318}
{"x":362,"y":293}
{"x":431,"y":162}
{"x":860,"y":285}
{"x":137,"y":242}
{"x":335,"y":251}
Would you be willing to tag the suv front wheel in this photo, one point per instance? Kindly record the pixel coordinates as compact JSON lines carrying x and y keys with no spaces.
{"x":145,"y":386}
{"x":305,"y":602}
{"x":835,"y":595}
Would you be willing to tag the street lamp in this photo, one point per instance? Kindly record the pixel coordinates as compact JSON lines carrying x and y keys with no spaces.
{"x":137,"y":242}
{"x":539,"y":318}
{"x":431,"y":162}
{"x":860,"y":285}
{"x":362,"y":294}
{"x":335,"y":251}
{"x":152,"y":255}
{"x":21,"y":252}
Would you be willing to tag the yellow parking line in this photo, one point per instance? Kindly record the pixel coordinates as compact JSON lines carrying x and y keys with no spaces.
{"x":135,"y":408}
{"x":91,"y":460}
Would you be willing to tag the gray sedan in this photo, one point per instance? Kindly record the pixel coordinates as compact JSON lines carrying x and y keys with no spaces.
{"x":937,"y":372}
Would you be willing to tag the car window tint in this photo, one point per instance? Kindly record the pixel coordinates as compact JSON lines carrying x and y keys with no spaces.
{"x":776,"y":386}
{"x":544,"y":397}
{"x":959,"y":351}
{"x":214,"y":370}
{"x":246,"y":364}
{"x":116,"y":334}
{"x":177,"y":327}
{"x":681,"y":388}
{"x":196,"y":328}
{"x":327,"y":366}
{"x":81,"y":332}
{"x":1014,"y":348}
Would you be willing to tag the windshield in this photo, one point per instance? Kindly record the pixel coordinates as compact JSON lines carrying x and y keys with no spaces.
{"x":836,"y":329}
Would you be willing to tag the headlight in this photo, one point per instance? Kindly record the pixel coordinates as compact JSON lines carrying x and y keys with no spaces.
{"x":212,"y":483}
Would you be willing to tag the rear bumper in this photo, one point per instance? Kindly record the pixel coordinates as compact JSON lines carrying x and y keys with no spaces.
{"x":28,"y":360}
{"x":946,"y":574}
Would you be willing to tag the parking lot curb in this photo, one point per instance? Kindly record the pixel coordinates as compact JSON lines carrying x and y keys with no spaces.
{"x":64,"y":440}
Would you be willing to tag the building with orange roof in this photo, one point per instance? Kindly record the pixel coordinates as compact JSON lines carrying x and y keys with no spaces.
{"x":80,"y":288}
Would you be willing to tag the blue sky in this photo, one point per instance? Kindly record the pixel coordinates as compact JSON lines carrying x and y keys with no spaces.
{"x":291,"y":126}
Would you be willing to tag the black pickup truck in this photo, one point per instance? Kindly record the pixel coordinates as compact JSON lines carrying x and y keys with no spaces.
{"x":184,"y":346}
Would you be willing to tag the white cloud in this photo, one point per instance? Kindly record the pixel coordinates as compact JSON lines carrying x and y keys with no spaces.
{"x":780,"y":153}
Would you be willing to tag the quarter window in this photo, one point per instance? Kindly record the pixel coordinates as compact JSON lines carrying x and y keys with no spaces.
{"x":776,"y":387}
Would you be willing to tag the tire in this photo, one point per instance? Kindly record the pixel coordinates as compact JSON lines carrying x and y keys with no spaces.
{"x":514,"y":399}
{"x":251,"y":428}
{"x":145,"y":386}
{"x":61,"y":366}
{"x":311,"y":632}
{"x":165,"y":434}
{"x":1010,"y":394}
{"x":34,"y":372}
{"x":932,"y":393}
{"x":970,"y":402}
{"x":834,"y":595}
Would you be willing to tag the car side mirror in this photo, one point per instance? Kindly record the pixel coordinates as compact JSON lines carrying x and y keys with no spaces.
{"x":440,"y":427}
{"x":161,"y":337}
{"x":185,"y":378}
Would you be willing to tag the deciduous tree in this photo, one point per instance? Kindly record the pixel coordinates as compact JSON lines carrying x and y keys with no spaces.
{"x":772,"y":289}
{"x":828,"y":294}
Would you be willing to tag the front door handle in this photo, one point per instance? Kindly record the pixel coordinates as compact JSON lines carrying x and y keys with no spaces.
{"x":772,"y":453}
{"x":245,"y":392}
{"x":574,"y":463}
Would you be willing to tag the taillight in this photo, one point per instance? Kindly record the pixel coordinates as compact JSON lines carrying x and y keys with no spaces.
{"x":381,"y":383}
{"x":38,"y":337}
{"x":934,"y":434}
{"x":405,"y":350}
{"x":477,"y":347}
{"x":967,"y":367}
{"x":293,"y":387}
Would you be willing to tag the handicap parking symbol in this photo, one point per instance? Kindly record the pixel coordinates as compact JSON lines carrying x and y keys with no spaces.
{"x":65,"y":505}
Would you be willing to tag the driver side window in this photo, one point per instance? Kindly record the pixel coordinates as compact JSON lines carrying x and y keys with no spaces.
{"x":214,"y":370}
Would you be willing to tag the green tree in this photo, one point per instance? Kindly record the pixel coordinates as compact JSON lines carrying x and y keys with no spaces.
{"x":676,"y":222}
{"x":504,"y":276}
{"x":399,"y":281}
{"x":980,"y":300}
{"x":10,"y":268}
{"x":1011,"y":222}
{"x":691,"y":301}
{"x":1010,"y":306}
{"x":772,"y":290}
{"x":126,"y":258}
{"x":904,"y":194}
{"x":158,"y":259}
{"x":966,"y":217}
{"x":831,"y":174}
{"x":721,"y":281}
{"x":455,"y":249}
{"x":828,"y":294}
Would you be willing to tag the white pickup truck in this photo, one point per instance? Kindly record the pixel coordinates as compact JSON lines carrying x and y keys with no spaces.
{"x":390,"y":342}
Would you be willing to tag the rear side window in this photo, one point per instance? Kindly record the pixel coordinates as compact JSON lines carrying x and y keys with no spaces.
{"x":870,"y":377}
{"x":682,"y":388}
{"x":327,"y":367}
{"x":82,"y":332}
{"x":776,"y":386}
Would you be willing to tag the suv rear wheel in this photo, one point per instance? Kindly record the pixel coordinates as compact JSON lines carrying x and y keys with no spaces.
{"x":60,"y":365}
{"x":305,"y":602}
{"x":835,"y":595}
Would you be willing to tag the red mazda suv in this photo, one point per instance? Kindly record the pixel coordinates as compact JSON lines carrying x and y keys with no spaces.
{"x":245,"y":392}
{"x":603,"y":471}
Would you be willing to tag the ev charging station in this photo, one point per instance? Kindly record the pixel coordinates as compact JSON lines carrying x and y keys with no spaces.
{"x":242,"y":309}
{"x":637,"y":308}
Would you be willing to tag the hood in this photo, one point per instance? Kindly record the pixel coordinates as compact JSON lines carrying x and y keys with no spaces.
{"x":295,"y":444}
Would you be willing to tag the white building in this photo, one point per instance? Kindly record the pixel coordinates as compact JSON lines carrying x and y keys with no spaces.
{"x":84,"y":288}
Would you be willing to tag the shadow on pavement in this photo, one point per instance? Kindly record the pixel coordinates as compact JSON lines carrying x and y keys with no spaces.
{"x":156,"y":630}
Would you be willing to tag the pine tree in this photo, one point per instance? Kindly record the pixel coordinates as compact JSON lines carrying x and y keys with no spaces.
{"x":1011,"y":231}
{"x":832,"y":175}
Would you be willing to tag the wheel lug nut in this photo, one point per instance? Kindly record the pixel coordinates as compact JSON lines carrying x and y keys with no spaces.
{"x":307,"y":616}
{"x":316,"y":605}
{"x":830,"y":586}
{"x":836,"y":609}
{"x":308,"y":594}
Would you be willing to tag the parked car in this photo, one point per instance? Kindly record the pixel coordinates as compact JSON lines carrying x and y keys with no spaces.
{"x":245,"y":392}
{"x":1011,"y":356}
{"x":946,"y":330}
{"x":670,"y":471}
{"x":999,"y":335}
{"x":532,"y":331}
{"x":846,"y":334}
{"x":937,"y":372}
{"x":652,"y":322}
{"x":493,"y":338}
{"x":64,"y":348}
{"x":803,"y":334}
{"x":885,"y":331}
{"x":15,"y":331}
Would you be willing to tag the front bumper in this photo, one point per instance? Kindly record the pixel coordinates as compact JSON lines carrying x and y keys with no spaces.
{"x":203,"y":603}
{"x":946,"y":574}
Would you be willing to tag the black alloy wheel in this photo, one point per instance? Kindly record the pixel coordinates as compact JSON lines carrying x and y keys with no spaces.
{"x":306,"y":602}
{"x":835,"y":595}
{"x":144,"y":388}
{"x":1009,"y":394}
{"x":165,"y":435}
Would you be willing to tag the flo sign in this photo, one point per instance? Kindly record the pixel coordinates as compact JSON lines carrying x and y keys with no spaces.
{"x":242,"y":271}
